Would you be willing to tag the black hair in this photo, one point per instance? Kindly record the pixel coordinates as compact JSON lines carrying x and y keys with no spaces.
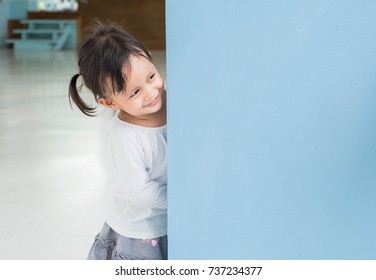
{"x":101,"y":56}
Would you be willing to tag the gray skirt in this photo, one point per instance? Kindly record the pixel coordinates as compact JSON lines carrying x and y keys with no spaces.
{"x":109,"y":245}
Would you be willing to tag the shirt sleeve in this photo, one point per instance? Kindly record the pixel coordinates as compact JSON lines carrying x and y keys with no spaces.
{"x":133,"y":177}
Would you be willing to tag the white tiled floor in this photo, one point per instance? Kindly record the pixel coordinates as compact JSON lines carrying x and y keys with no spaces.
{"x":51,"y":178}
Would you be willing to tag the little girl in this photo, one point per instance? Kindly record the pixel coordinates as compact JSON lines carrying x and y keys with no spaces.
{"x":119,"y":71}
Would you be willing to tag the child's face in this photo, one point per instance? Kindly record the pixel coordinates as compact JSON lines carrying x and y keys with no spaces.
{"x":144,"y":88}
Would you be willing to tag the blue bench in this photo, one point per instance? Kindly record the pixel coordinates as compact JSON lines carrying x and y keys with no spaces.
{"x":45,"y":35}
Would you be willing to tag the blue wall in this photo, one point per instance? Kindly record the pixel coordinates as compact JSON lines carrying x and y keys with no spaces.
{"x":272,"y":129}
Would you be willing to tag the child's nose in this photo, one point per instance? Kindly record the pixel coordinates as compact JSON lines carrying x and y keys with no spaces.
{"x":150,"y":93}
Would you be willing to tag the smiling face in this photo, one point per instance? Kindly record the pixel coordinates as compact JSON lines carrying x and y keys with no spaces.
{"x":143,"y":98}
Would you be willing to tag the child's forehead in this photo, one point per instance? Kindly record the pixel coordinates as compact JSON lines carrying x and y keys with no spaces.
{"x":137,"y":64}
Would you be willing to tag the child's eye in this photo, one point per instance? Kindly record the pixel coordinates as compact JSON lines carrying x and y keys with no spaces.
{"x":152,"y":76}
{"x":135,"y":93}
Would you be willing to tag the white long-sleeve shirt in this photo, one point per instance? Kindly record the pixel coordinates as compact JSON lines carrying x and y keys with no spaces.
{"x":138,"y":197}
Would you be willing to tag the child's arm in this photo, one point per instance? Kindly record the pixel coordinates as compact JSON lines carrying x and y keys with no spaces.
{"x":134,"y":179}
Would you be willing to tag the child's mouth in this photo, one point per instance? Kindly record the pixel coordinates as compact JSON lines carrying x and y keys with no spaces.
{"x":153,"y":102}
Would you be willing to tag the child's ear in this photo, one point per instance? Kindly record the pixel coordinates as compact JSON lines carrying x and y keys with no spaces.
{"x":107,"y":103}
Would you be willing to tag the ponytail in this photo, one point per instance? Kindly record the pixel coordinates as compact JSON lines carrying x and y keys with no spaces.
{"x":74,"y":95}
